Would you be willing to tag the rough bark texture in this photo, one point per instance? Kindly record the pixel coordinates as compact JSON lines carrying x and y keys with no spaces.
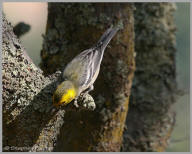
{"x":150,"y":120}
{"x":30,"y":123}
{"x":72,"y":28}
{"x":23,"y":100}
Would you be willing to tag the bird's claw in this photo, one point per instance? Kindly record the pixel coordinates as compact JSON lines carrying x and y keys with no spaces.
{"x":75,"y":103}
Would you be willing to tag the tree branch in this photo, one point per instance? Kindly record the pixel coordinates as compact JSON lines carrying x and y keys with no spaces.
{"x":30,"y":122}
{"x":76,"y":27}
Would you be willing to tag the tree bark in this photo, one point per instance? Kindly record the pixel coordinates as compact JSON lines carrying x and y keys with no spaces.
{"x":150,"y":120}
{"x":72,"y":28}
{"x":31,"y":124}
{"x":26,"y":96}
{"x":29,"y":121}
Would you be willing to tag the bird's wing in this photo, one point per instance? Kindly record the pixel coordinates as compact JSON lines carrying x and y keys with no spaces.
{"x":83,"y":68}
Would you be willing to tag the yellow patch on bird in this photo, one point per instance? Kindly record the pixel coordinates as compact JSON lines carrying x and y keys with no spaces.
{"x":68,"y":96}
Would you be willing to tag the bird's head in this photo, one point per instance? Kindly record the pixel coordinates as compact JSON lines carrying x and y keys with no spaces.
{"x":64,"y":93}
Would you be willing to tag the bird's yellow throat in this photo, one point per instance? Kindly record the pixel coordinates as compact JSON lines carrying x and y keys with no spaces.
{"x":68,"y":97}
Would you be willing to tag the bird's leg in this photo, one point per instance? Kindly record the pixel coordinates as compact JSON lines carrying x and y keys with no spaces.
{"x":84,"y":93}
{"x":75,"y":102}
{"x":87,"y":90}
{"x":90,"y":89}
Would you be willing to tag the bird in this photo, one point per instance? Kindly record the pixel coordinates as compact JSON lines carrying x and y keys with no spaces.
{"x":81,"y":72}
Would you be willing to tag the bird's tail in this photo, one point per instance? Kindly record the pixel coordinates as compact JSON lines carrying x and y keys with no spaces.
{"x":106,"y":38}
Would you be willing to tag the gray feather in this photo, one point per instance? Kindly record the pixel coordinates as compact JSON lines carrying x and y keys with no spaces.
{"x":84,"y":68}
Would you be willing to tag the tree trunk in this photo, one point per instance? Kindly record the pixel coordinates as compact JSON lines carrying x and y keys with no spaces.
{"x":26,"y":97}
{"x":150,"y":120}
{"x":72,"y":28}
{"x":30,"y":123}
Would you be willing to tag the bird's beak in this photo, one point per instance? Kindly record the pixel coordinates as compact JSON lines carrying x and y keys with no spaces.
{"x":65,"y":103}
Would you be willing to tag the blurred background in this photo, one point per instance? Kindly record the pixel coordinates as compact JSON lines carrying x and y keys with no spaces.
{"x":35,"y":14}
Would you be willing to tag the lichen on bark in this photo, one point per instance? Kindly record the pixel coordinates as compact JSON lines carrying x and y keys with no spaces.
{"x":150,"y":120}
{"x":28,"y":118}
{"x":72,"y":28}
{"x":30,"y":122}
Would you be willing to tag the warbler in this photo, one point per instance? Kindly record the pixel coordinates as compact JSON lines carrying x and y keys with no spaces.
{"x":80,"y":74}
